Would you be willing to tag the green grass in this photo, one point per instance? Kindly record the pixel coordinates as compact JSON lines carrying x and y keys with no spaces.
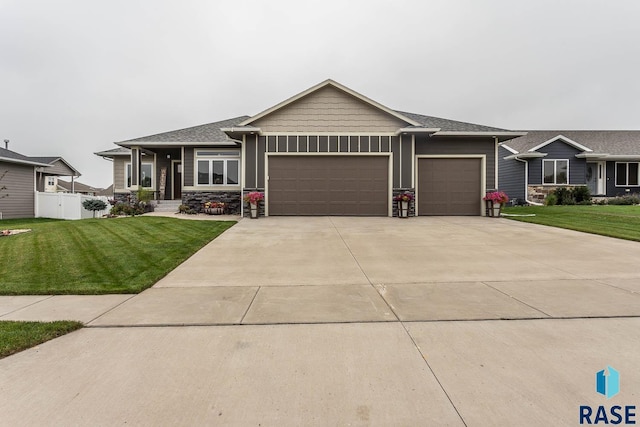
{"x":622,"y":222}
{"x":18,"y":336}
{"x":97,"y":256}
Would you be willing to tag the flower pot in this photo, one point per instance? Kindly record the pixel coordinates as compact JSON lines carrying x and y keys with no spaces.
{"x":253,"y":210}
{"x":495,"y":210}
{"x":403,"y":209}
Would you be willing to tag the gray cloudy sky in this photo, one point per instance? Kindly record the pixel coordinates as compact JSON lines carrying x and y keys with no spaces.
{"x":77,"y":75}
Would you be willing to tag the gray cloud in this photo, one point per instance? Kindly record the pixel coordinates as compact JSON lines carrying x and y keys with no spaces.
{"x":76,"y":76}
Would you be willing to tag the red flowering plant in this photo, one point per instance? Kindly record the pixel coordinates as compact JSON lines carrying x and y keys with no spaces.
{"x":497,"y":197}
{"x":254,"y":197}
{"x":404,"y":197}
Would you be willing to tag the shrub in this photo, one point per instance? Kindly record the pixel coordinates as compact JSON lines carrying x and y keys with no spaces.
{"x":581,"y":194}
{"x":94,"y":205}
{"x":550,"y":200}
{"x":627,"y":199}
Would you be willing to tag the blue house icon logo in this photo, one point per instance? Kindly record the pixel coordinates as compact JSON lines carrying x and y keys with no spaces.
{"x":608,"y":383}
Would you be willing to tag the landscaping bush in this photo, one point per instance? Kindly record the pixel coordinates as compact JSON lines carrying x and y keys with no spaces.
{"x":570,"y":196}
{"x":94,"y":205}
{"x":550,"y":200}
{"x":581,"y":194}
{"x":627,"y":199}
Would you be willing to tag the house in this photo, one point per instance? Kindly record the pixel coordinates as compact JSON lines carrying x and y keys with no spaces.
{"x":325,"y":151}
{"x":533,"y":165}
{"x":23,"y":176}
{"x":77,"y":188}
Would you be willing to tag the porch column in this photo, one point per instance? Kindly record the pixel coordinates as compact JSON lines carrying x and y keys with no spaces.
{"x":136,"y":162}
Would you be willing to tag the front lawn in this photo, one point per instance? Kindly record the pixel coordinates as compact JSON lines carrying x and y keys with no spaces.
{"x":622,"y":222}
{"x":18,"y":336}
{"x":97,"y":256}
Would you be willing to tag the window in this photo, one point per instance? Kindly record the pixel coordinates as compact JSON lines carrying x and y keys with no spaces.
{"x":555,"y":172}
{"x":213,"y":168}
{"x":146,"y":177}
{"x":627,"y":174}
{"x":51,"y":181}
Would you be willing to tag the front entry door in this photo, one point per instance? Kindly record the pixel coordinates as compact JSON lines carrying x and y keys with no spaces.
{"x":176,"y":180}
{"x":595,"y":178}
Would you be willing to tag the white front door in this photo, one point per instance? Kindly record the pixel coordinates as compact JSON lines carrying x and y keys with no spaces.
{"x":596,"y":173}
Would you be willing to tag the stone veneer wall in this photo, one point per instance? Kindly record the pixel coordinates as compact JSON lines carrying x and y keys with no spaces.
{"x":247,"y":209}
{"x":195,"y":199}
{"x":124,"y":197}
{"x":412,"y":204}
{"x":537,"y":193}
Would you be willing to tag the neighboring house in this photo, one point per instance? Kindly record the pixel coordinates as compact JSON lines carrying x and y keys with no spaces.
{"x":607,"y":162}
{"x":47,"y":177}
{"x":77,"y":188}
{"x":23,"y":176}
{"x":326,"y":151}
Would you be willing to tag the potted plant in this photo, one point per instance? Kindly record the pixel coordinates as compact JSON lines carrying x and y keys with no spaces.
{"x":403,"y":201}
{"x":494,"y":201}
{"x":254,"y":198}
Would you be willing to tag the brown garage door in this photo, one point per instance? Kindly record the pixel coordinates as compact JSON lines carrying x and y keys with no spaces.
{"x":449,"y":186}
{"x":328,"y":185}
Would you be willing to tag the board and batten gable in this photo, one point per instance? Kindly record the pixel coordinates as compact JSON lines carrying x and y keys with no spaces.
{"x":20,"y":182}
{"x":511,"y":175}
{"x":460,"y":146}
{"x":560,"y":151}
{"x":329,"y":109}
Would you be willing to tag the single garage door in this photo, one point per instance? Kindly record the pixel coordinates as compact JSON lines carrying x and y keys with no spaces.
{"x":328,"y":185}
{"x":449,"y":186}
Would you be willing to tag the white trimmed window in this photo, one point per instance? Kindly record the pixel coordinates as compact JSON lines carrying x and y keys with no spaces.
{"x":146,"y":177}
{"x":627,"y":174}
{"x":51,"y":181}
{"x":217,"y":168}
{"x":555,"y":172}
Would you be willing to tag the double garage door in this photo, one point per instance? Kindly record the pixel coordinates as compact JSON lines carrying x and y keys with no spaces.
{"x":359,"y":185}
{"x":329,"y":185}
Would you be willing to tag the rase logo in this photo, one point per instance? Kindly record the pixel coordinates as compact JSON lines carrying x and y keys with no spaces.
{"x":608,"y":384}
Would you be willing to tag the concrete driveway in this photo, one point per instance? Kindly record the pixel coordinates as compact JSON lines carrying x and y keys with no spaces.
{"x":351,"y":321}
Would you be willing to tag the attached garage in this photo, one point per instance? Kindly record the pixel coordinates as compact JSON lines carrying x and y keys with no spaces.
{"x":450,"y":186}
{"x":350,"y":185}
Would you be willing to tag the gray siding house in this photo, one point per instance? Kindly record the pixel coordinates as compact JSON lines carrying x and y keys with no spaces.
{"x":23,"y":176}
{"x":325,"y":151}
{"x":533,"y":165}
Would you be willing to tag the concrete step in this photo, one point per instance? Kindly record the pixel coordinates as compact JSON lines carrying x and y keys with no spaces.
{"x":167,"y":205}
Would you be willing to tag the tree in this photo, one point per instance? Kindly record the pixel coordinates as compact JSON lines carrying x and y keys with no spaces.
{"x":3,"y":187}
{"x":94,"y":205}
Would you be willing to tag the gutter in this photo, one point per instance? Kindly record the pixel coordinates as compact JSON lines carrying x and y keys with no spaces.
{"x":526,"y":181}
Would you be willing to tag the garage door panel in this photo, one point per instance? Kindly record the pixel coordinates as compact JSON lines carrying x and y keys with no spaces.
{"x":328,"y":185}
{"x":449,"y":186}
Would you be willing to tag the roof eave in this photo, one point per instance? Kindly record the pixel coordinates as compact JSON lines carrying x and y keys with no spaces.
{"x":525,"y":156}
{"x":24,"y":162}
{"x":159,"y":144}
{"x":417,"y":130}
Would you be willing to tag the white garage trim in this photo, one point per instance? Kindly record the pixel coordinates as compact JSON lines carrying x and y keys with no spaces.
{"x":483,"y":173}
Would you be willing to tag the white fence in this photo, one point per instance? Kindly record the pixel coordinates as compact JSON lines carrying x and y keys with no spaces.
{"x":66,"y":206}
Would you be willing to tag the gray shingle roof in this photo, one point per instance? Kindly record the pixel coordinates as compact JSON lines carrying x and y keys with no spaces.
{"x":19,"y":158}
{"x":613,"y":142}
{"x":204,"y":133}
{"x":449,"y":125}
{"x":119,"y":151}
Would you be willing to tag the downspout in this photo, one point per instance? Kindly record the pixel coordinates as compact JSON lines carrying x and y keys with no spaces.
{"x":526,"y":183}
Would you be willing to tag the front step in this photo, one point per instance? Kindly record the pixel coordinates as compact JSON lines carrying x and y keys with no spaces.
{"x":167,"y":205}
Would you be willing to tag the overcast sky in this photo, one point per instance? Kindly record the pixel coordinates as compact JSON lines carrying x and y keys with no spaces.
{"x":78,"y":75}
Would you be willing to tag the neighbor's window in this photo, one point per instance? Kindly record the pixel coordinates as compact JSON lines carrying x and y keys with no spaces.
{"x":627,"y":174}
{"x":218,"y":168}
{"x":146,"y":177}
{"x":555,"y":171}
{"x":51,"y":181}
